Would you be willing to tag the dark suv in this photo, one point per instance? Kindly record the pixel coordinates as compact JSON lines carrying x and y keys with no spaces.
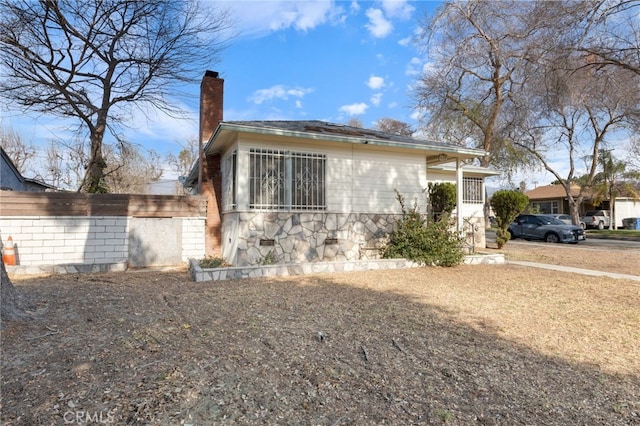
{"x":546,"y":228}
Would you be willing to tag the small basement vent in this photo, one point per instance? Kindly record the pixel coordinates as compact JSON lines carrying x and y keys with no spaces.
{"x":270,"y":243}
{"x":331,"y":241}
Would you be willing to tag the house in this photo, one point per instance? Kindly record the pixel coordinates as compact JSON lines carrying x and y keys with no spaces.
{"x":305,"y":191}
{"x":552,"y":199}
{"x":12,"y":180}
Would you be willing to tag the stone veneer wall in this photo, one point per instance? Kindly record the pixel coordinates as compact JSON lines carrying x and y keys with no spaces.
{"x":302,"y":237}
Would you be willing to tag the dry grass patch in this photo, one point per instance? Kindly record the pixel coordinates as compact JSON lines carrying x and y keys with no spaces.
{"x":621,"y":260}
{"x":471,"y":344}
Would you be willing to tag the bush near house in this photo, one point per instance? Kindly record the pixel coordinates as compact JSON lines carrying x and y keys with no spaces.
{"x":507,"y":205}
{"x":442,"y":197}
{"x":426,"y":243}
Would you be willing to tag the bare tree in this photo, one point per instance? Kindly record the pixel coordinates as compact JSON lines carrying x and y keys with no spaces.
{"x":355,"y":122}
{"x":95,"y":61}
{"x":397,"y":127}
{"x":478,"y":50}
{"x":66,"y":163}
{"x":611,"y":34}
{"x":573,"y":111}
{"x":20,"y":152}
{"x":182,"y":163}
{"x":15,"y":304}
{"x":132,"y":168}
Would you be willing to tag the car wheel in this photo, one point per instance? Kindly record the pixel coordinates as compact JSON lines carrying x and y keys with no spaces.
{"x":551,"y":238}
{"x":601,"y":225}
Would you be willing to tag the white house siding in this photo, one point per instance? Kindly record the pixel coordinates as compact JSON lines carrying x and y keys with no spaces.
{"x":472,"y":213}
{"x":378,"y":173}
{"x":361,"y":204}
{"x":360,"y":178}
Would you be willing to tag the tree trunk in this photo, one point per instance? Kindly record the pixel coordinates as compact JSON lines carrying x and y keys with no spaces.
{"x":15,"y":305}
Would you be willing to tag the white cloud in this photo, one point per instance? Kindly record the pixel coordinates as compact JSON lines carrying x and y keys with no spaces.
{"x":354,"y":109}
{"x":355,"y":7}
{"x":376,"y":99}
{"x":278,"y":92}
{"x":259,"y":18}
{"x":378,"y":25}
{"x":375,"y":82}
{"x":405,"y":41}
{"x":414,"y":67}
{"x":397,"y":9}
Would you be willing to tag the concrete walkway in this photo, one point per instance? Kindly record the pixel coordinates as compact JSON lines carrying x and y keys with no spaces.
{"x":574,"y":270}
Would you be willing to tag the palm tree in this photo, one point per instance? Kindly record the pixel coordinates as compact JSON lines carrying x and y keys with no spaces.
{"x":614,"y":181}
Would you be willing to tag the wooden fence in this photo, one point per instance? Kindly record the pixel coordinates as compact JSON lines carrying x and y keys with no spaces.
{"x":76,"y":204}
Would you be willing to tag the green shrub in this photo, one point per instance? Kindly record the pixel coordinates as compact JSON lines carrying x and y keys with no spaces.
{"x":442,"y":197}
{"x":507,"y":205}
{"x":421,"y":242}
{"x":210,"y":262}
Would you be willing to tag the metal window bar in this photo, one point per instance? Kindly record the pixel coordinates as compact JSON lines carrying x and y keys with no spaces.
{"x":308,"y":181}
{"x":280,"y":179}
{"x":472,"y":190}
{"x":267,"y":179}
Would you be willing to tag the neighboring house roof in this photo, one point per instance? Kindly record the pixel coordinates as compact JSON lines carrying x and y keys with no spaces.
{"x":12,"y":180}
{"x":320,"y":130}
{"x":552,"y":192}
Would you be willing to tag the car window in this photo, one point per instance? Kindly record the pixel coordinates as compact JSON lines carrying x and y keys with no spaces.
{"x":549,"y":220}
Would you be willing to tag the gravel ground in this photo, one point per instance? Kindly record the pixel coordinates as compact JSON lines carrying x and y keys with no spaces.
{"x":497,"y":344}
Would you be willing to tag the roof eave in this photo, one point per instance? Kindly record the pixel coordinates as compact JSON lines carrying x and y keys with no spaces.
{"x":212,"y":147}
{"x":467,"y":152}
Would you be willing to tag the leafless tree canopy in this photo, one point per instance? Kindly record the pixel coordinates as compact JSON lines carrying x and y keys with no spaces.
{"x":132,"y":168}
{"x":20,"y":151}
{"x":478,"y":52}
{"x":96,"y":60}
{"x":397,"y":127}
{"x":485,"y":57}
{"x":533,"y":82}
{"x":612,"y":34}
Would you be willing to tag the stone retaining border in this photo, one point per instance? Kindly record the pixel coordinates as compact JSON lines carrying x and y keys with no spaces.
{"x":199,"y":274}
{"x":76,"y":268}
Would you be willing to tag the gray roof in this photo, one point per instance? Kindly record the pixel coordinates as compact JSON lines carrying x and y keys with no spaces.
{"x":328,"y":130}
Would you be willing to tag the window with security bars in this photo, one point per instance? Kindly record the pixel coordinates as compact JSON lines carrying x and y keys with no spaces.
{"x":229,"y":179}
{"x":286,"y":180}
{"x":472,"y":190}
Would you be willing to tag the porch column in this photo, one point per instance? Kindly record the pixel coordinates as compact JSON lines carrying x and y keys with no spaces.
{"x":459,"y":192}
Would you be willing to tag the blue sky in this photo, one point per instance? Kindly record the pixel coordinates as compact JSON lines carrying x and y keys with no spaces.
{"x":323,"y":60}
{"x":292,"y":60}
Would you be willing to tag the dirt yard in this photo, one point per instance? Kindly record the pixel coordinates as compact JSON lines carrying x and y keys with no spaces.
{"x":473,"y":344}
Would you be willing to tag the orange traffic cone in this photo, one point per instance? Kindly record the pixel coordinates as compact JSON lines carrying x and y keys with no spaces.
{"x":9,"y":253}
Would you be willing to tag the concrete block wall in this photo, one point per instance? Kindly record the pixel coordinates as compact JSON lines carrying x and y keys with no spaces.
{"x":43,"y":241}
{"x":193,"y":245}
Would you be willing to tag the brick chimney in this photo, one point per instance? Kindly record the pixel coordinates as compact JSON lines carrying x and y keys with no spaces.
{"x":211,"y":97}
{"x":209,"y":173}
